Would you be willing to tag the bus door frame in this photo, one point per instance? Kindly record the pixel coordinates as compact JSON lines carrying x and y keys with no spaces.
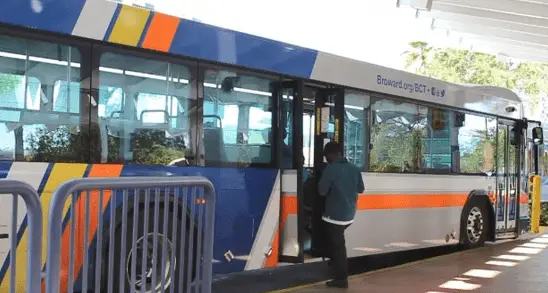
{"x":510,"y":206}
{"x":296,"y":87}
{"x":323,"y":97}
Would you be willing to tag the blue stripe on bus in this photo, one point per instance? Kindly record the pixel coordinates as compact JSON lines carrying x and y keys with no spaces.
{"x":4,"y":168}
{"x":51,"y":15}
{"x":112,"y":22}
{"x":217,"y":44}
{"x":145,"y":30}
{"x":192,"y":38}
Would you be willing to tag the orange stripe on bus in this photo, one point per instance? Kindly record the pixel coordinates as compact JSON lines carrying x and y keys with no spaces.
{"x":373,"y":202}
{"x":161,"y":32}
{"x":288,"y":207}
{"x":524,"y":198}
{"x":80,"y":218}
{"x":410,"y":201}
{"x":272,"y":259}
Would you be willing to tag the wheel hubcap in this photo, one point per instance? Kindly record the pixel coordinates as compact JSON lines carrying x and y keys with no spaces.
{"x":474,"y":225}
{"x":151,"y":266}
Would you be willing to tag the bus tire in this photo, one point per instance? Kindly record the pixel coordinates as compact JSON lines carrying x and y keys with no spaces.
{"x":474,"y":224}
{"x":137,"y":249}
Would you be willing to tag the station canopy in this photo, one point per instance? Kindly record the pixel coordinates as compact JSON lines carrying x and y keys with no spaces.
{"x":514,"y":29}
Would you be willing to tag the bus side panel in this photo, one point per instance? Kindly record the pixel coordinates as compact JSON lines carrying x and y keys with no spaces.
{"x":289,"y":229}
{"x":242,"y":198}
{"x":408,"y":211}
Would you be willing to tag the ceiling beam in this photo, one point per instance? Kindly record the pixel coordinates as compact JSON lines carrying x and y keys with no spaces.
{"x":478,"y":43}
{"x":516,"y":53}
{"x":443,"y":7}
{"x":477,"y":39}
{"x":535,"y":1}
{"x":521,"y":8}
{"x":497,"y":40}
{"x":486,"y":22}
{"x":489,"y":31}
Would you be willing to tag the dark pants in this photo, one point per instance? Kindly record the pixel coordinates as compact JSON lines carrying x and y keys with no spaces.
{"x":336,"y":249}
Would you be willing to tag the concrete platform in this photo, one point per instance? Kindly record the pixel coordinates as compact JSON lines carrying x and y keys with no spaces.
{"x":283,"y":277}
{"x":515,"y":266}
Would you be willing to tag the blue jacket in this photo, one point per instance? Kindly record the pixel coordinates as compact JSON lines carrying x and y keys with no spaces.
{"x":341,"y":182}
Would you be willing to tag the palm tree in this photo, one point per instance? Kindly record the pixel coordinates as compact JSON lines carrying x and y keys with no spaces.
{"x":417,"y":55}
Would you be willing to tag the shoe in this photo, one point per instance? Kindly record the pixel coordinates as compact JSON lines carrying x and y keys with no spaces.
{"x":337,"y":284}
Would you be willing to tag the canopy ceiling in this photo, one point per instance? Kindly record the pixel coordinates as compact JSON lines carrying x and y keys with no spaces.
{"x":509,"y":28}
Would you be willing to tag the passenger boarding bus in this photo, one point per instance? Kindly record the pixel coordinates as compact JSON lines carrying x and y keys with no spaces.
{"x":101,"y":89}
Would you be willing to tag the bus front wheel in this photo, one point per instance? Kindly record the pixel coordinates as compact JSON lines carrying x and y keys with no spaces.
{"x":474,"y":224}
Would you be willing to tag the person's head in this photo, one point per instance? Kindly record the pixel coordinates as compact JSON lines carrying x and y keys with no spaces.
{"x":332,"y":152}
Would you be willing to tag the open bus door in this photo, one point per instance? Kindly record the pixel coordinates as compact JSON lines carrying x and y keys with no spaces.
{"x":514,"y":139}
{"x":508,"y":168}
{"x":313,"y":115}
{"x":328,"y":124}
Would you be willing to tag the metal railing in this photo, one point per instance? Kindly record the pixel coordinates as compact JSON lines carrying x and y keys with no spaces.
{"x":111,"y":224}
{"x":34,"y":244}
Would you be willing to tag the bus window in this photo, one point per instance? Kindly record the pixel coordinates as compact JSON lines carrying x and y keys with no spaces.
{"x":476,"y":141}
{"x":396,"y":136}
{"x":308,"y":139}
{"x":230,"y":121}
{"x":242,"y":104}
{"x":355,"y":109}
{"x":286,"y":161}
{"x":36,"y":123}
{"x":66,"y":97}
{"x":146,"y":111}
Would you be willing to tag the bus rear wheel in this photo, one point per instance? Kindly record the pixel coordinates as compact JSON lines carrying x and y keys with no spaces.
{"x":153,"y":280}
{"x":474,"y":225}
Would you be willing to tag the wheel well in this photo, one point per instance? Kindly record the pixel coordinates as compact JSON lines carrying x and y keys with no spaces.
{"x":479,"y":195}
{"x":118,"y":221}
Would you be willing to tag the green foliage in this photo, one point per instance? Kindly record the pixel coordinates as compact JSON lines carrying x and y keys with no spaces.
{"x":64,"y":144}
{"x":463,"y":66}
{"x":472,"y":160}
{"x":397,"y":147}
{"x":8,"y":83}
{"x":68,"y":144}
{"x":149,"y":147}
{"x":544,"y":214}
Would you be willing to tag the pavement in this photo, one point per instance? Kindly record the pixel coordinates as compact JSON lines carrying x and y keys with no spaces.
{"x":512,"y":266}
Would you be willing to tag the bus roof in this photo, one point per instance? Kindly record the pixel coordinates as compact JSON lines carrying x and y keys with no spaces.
{"x":133,"y":26}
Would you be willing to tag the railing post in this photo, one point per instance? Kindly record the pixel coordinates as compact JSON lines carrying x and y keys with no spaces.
{"x":34,"y":219}
{"x":535,"y":207}
{"x":209,"y":236}
{"x":137,"y":184}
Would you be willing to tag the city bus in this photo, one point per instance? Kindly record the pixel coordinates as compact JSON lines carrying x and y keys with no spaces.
{"x":102,"y":89}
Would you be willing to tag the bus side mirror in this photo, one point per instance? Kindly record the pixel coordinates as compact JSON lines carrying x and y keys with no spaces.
{"x":538,"y":137}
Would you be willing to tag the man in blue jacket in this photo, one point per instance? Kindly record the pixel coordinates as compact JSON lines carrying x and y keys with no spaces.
{"x":340,"y":183}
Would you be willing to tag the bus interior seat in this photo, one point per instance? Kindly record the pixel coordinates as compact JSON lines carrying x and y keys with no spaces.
{"x":214,"y":145}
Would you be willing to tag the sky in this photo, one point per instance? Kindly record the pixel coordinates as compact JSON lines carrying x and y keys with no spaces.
{"x":374,"y":31}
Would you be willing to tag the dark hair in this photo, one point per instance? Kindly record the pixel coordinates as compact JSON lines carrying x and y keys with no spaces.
{"x":332,"y":148}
